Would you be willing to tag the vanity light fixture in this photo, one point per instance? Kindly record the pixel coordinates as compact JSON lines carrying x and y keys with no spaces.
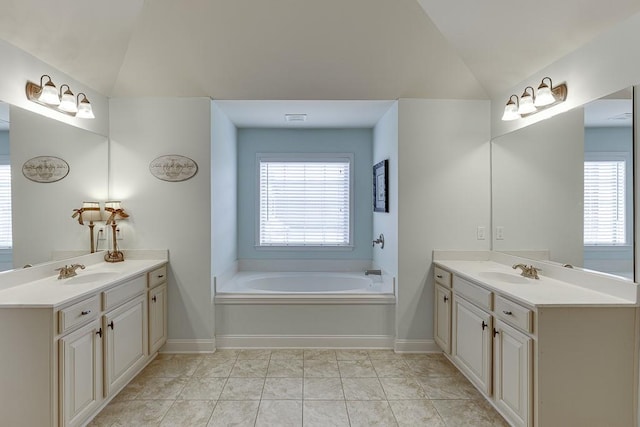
{"x":114,"y":209}
{"x":63,"y":102}
{"x":511,"y":109}
{"x":90,"y":211}
{"x":526,"y":102}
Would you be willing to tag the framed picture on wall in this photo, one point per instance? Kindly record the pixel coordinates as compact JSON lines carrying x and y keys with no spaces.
{"x":380,"y":186}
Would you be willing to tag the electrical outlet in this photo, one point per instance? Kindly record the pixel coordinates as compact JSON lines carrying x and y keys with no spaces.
{"x":499,"y":232}
{"x":481,"y":233}
{"x":101,"y":234}
{"x":119,"y":233}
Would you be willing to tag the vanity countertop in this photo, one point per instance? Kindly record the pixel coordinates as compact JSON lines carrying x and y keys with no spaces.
{"x":546,"y":291}
{"x":51,"y":292}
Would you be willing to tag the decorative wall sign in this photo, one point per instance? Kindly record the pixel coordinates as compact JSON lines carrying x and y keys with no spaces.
{"x":173,"y":168}
{"x":45,"y":169}
{"x":380,"y":186}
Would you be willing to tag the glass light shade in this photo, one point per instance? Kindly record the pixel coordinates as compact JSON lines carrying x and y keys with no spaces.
{"x":510,"y":111}
{"x":49,"y":94}
{"x":68,"y":102}
{"x":544,"y":96}
{"x":91,"y":211}
{"x":84,"y":109}
{"x":526,"y":104}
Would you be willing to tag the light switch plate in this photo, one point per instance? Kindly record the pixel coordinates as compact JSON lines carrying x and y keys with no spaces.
{"x":499,"y":232}
{"x":481,"y":233}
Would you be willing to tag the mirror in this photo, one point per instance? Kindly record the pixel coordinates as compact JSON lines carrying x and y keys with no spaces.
{"x":565,"y":185}
{"x":41,"y":211}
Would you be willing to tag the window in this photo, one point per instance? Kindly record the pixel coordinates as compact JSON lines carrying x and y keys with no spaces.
{"x":604,"y":201}
{"x":6,"y":240}
{"x":305,"y":200}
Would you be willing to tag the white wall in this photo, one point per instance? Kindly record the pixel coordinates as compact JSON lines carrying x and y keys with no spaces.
{"x":538,"y":188}
{"x":444,"y":195}
{"x":224,"y":184}
{"x":385,"y":146}
{"x":42,"y":220}
{"x":18,"y":66}
{"x":173,"y":215}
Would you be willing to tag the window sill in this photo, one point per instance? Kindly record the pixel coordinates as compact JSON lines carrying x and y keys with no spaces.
{"x":304,"y":248}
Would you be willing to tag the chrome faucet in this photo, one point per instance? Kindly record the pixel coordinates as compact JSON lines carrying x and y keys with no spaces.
{"x":528,"y":271}
{"x":374,"y":272}
{"x":68,"y":271}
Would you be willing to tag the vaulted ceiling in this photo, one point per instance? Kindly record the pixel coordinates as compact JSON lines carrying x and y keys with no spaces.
{"x":304,"y":49}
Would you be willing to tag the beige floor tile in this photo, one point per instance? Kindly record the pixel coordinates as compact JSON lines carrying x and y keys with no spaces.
{"x":356,"y":369}
{"x":323,"y":389}
{"x":223,"y":354}
{"x":320,"y":355}
{"x":220,"y":368}
{"x":192,"y":413}
{"x":432,"y":367}
{"x":202,"y":388}
{"x":250,"y":368}
{"x":285,"y":368}
{"x":366,"y":414}
{"x":254,"y":354}
{"x":139,"y":413}
{"x":173,"y":367}
{"x":384,"y":355}
{"x":392,"y":368}
{"x":282,"y":388}
{"x":454,"y":387}
{"x":242,"y":389}
{"x":352,"y":354}
{"x":281,"y":413}
{"x":411,"y":413}
{"x":287,"y":354}
{"x":402,"y":388}
{"x":324,"y":413}
{"x":468,"y":413}
{"x":363,"y":389}
{"x":235,"y":413}
{"x":162,"y":388}
{"x":321,"y":368}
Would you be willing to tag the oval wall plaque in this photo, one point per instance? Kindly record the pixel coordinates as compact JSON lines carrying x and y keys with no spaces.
{"x":45,"y":169}
{"x":173,"y":168}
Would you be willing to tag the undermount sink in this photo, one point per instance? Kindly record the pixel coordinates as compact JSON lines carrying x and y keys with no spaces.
{"x":89,"y":278}
{"x":503,"y":277}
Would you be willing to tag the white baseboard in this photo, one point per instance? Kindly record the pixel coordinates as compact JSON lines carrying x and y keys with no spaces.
{"x":189,"y":346}
{"x":416,"y":346}
{"x":305,"y":341}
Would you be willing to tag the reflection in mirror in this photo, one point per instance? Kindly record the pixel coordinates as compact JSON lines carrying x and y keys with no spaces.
{"x":6,"y":241}
{"x":41,"y":212}
{"x":564,"y":185}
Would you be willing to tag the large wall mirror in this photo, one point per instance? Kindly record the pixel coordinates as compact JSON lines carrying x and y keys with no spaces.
{"x":565,"y":185}
{"x":41,"y":212}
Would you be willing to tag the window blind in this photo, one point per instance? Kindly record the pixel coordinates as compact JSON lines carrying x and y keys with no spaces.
{"x":305,"y":203}
{"x":604,"y":203}
{"x":6,"y":240}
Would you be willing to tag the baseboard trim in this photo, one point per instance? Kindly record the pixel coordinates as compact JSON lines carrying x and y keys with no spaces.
{"x":189,"y":346}
{"x":305,"y":341}
{"x":416,"y":346}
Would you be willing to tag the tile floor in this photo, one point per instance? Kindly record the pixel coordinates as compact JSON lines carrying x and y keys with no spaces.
{"x":299,"y":387}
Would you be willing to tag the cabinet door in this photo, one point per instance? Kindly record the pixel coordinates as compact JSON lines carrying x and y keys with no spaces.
{"x":472,"y":338}
{"x":80,"y":374}
{"x":157,"y":317}
{"x":512,"y":371}
{"x":125,"y":342}
{"x":442,"y":318}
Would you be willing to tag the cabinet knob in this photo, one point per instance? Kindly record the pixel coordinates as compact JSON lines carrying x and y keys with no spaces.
{"x":508,"y":313}
{"x":160,"y":276}
{"x":484,"y":325}
{"x":154,"y":298}
{"x":85,"y":312}
{"x":99,"y":333}
{"x":446,"y":298}
{"x":495,"y":332}
{"x":439,"y":276}
{"x":110,"y":324}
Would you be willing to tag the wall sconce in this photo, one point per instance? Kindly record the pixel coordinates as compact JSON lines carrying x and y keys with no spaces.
{"x":530,"y":102}
{"x":90,"y":211}
{"x":115,"y":211}
{"x":64,"y":102}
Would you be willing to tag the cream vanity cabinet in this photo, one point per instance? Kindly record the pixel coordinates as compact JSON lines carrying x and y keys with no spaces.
{"x":157,"y":300}
{"x":544,"y":365}
{"x":442,"y":309}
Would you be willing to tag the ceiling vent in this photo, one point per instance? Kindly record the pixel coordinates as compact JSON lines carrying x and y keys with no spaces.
{"x":295,"y":117}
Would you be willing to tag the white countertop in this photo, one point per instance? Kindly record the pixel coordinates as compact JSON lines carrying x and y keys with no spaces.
{"x":51,"y":292}
{"x":535,"y":293}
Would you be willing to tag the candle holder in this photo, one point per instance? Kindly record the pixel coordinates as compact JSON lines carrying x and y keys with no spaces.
{"x":115,"y":211}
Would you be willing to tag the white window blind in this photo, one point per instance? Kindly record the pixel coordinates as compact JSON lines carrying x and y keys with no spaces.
{"x":305,"y":203}
{"x":6,"y":240}
{"x":604,"y":203}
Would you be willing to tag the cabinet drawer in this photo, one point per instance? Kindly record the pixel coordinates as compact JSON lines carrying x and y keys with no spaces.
{"x":472,"y":292}
{"x":157,"y":276}
{"x":121,"y":293}
{"x":78,"y":313}
{"x":514,"y":314}
{"x":442,"y":276}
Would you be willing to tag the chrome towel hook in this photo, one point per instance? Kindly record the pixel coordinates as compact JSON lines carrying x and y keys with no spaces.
{"x":380,"y":241}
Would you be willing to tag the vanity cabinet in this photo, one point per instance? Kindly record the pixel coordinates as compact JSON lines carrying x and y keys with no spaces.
{"x":157,"y":301}
{"x":442,"y":309}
